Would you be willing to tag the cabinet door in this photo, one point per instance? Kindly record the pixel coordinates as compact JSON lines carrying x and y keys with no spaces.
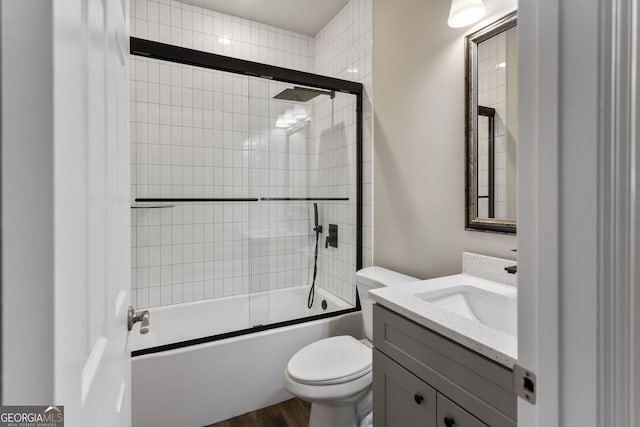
{"x":452,"y":415}
{"x":400,"y":398}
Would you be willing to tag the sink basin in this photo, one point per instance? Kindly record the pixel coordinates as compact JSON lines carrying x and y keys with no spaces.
{"x":477,"y":313}
{"x":497,"y":311}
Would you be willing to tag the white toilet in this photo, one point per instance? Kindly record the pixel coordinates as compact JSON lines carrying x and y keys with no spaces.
{"x":334,"y":374}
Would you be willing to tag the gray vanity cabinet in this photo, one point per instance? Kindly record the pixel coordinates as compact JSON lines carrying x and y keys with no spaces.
{"x":421,"y":378}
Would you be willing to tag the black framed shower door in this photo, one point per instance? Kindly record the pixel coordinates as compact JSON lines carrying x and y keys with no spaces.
{"x":186,"y":56}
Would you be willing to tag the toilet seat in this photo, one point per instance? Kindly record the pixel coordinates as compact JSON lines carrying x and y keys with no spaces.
{"x":330,"y":361}
{"x":330,"y":394}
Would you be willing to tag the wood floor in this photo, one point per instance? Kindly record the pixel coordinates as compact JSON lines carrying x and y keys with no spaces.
{"x":290,"y":413}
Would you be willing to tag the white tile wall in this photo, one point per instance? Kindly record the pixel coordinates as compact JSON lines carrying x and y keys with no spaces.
{"x":188,"y":131}
{"x":201,"y":133}
{"x":190,"y":126}
{"x":335,"y":136}
{"x":344,"y":49}
{"x":176,"y":23}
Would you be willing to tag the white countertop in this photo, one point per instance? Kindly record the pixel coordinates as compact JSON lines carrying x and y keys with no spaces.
{"x":491,"y":343}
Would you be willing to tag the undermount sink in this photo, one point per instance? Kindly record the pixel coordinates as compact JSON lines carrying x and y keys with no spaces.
{"x":479,"y":313}
{"x":497,"y":311}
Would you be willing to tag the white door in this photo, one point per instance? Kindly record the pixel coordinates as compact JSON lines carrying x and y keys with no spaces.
{"x":91,"y":221}
{"x":579,"y":211}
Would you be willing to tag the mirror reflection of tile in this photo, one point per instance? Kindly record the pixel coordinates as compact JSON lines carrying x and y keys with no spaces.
{"x":497,"y":80}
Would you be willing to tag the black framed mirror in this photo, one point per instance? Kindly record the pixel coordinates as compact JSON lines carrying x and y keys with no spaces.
{"x":491,"y":78}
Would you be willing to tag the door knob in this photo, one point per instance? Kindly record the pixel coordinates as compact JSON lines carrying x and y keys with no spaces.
{"x":449,"y":422}
{"x":418,"y":398}
{"x":134,"y":317}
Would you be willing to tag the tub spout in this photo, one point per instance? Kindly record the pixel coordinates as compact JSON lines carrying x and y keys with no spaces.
{"x":138,"y":316}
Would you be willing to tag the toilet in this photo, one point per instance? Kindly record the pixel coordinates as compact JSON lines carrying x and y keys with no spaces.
{"x":335,"y":373}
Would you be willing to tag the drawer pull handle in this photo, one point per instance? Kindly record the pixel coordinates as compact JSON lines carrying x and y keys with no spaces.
{"x":448,"y":422}
{"x":418,"y":398}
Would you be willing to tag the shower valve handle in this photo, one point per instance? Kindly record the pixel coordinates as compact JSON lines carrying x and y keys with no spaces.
{"x":332,"y":238}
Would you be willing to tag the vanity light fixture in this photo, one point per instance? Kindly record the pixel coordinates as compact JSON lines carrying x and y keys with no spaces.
{"x":465,"y":12}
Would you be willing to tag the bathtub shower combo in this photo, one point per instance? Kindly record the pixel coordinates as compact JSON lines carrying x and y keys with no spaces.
{"x":246,"y":227}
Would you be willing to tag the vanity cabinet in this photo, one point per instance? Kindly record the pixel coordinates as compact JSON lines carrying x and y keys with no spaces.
{"x":404,"y":400}
{"x":421,"y":378}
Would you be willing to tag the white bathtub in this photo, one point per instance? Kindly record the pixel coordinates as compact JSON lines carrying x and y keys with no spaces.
{"x":205,"y":383}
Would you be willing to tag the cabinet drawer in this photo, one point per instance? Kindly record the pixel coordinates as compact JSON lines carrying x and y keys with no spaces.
{"x":400,"y":398}
{"x":451,"y":415}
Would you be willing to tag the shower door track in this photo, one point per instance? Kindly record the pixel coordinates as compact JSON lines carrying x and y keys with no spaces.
{"x":239,"y":332}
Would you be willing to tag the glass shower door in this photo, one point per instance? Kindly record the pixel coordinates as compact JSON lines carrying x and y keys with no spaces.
{"x":258,"y":227}
{"x":301,"y":162}
{"x":244,"y":192}
{"x":190,"y":188}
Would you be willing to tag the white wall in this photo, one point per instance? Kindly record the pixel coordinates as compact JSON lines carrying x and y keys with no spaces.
{"x":419,"y":198}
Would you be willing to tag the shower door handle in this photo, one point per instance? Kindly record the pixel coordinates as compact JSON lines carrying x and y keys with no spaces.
{"x":134,"y":317}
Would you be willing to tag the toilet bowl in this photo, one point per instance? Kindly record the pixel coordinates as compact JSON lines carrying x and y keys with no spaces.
{"x":335,"y":373}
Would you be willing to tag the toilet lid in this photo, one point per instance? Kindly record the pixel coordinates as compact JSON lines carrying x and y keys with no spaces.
{"x":332,"y":360}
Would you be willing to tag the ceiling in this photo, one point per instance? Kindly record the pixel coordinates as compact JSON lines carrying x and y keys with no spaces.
{"x":301,"y":16}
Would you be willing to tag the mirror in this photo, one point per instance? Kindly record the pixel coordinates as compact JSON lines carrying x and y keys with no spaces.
{"x":492,"y":126}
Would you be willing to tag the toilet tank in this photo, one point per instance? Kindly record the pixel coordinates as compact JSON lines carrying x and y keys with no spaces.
{"x":371,"y":278}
